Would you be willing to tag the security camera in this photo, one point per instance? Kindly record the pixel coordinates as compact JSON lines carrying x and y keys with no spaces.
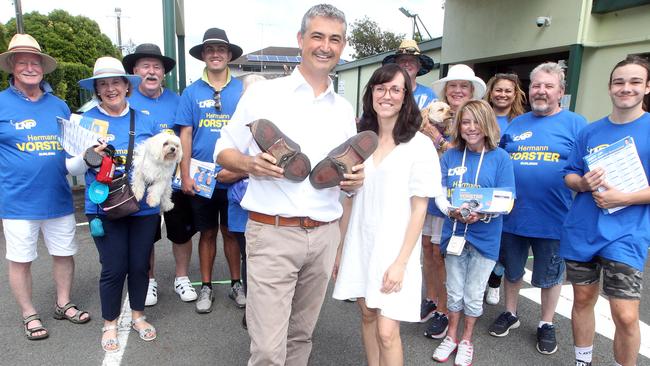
{"x":543,"y":22}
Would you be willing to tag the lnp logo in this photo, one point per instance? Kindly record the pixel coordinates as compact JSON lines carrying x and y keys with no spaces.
{"x":523,"y":136}
{"x":25,"y":125}
{"x":208,"y":103}
{"x":459,"y":170}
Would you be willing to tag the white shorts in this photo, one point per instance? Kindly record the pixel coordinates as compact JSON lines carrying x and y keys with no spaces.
{"x":433,"y":227}
{"x":21,"y":237}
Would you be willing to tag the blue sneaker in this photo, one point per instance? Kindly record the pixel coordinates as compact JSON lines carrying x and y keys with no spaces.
{"x":546,"y":343}
{"x":501,"y":327}
{"x":427,"y":309}
{"x":438,"y":326}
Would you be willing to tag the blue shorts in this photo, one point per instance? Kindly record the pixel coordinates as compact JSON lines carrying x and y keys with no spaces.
{"x":548,"y":266}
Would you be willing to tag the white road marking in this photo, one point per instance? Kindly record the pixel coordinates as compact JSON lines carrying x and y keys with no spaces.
{"x":123,"y":330}
{"x":604,"y":323}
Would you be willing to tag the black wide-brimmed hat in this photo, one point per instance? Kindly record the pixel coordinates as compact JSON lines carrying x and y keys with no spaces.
{"x":215,"y":35}
{"x":410,"y":47}
{"x":147,"y":50}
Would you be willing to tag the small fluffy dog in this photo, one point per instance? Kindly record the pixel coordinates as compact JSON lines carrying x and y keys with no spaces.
{"x":153,"y":167}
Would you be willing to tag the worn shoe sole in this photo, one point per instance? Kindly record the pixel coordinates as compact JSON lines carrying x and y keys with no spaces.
{"x":271,"y":140}
{"x":513,"y":326}
{"x":329,"y":172}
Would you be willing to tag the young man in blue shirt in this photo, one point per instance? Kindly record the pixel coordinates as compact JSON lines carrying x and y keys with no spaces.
{"x":205,"y":108}
{"x":615,"y":243}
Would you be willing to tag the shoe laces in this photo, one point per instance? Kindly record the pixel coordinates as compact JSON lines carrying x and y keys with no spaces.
{"x":503,"y":319}
{"x":447,"y":345}
{"x":547,"y":332}
{"x":464,"y":353}
{"x":205,"y":292}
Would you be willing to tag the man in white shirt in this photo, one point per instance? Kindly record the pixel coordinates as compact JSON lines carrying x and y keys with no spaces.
{"x":292,"y":234}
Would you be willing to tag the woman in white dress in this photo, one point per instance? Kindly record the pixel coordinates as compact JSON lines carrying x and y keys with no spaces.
{"x":378,"y":261}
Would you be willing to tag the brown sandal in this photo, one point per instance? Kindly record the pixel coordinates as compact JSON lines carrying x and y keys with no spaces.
{"x":60,"y":313}
{"x":29,"y":332}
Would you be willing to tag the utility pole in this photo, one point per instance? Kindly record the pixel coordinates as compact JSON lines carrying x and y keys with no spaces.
{"x":118,"y":16}
{"x":20,"y":28}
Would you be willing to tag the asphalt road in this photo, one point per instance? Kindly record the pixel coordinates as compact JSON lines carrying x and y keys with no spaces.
{"x":188,"y":338}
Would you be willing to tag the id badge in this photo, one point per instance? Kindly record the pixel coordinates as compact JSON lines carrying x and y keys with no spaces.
{"x":456,"y":245}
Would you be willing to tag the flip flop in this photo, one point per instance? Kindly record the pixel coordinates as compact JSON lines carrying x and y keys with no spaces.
{"x":29,"y":332}
{"x":60,"y":313}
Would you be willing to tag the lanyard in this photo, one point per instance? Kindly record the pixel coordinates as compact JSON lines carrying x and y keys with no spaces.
{"x":460,"y":182}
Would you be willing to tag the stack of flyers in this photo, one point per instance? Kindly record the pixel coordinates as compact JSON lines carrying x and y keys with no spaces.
{"x":484,"y":200}
{"x":204,"y":177}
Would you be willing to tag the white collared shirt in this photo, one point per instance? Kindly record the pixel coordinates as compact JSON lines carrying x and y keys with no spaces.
{"x":318,"y":124}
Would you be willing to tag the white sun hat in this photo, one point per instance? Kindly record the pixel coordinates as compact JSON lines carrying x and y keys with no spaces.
{"x":461,"y":72}
{"x":108,"y":67}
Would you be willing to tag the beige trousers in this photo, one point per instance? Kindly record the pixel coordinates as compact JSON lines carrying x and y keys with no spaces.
{"x":288,"y":272}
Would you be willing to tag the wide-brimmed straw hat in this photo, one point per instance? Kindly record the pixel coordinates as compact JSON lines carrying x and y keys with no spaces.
{"x":215,"y":35}
{"x":461,"y":72}
{"x":108,"y":67}
{"x":148,"y":50}
{"x":24,"y":43}
{"x":410,"y":47}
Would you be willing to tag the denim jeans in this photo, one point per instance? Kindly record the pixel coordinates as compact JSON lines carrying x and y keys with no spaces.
{"x":467,"y":276}
{"x":548,"y":266}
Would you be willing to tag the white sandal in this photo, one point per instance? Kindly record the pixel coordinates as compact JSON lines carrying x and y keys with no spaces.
{"x":143,"y":332}
{"x":110,"y":341}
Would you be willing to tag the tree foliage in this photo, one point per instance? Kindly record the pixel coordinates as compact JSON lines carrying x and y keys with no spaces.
{"x":368,"y":39}
{"x":74,"y":41}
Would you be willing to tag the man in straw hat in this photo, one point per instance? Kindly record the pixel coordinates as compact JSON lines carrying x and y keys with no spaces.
{"x":34,"y":191}
{"x":416,"y":64}
{"x":293,"y":228}
{"x":204,"y":109}
{"x":160,"y":104}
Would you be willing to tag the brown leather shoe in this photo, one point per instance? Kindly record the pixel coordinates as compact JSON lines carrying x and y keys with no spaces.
{"x":271,"y":140}
{"x":329,"y":172}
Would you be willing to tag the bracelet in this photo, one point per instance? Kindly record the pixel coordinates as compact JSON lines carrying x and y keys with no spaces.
{"x":487,"y":218}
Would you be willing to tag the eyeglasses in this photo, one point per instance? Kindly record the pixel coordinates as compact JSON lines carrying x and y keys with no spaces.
{"x":394,"y":91}
{"x":217,"y":100}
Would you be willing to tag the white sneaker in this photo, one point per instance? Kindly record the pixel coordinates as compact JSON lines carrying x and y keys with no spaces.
{"x":492,"y":296}
{"x":152,"y":293}
{"x":444,"y":350}
{"x":464,"y":354}
{"x":184,"y":289}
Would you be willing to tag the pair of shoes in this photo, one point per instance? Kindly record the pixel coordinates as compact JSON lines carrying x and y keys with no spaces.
{"x":60,"y":313}
{"x":427,"y":309}
{"x":184,"y":289}
{"x":464,"y":353}
{"x":501,"y":327}
{"x":582,"y":363}
{"x":147,"y":334}
{"x":438,"y":326}
{"x":492,"y":295}
{"x":152,"y":293}
{"x":237,"y":294}
{"x":204,"y":302}
{"x":444,"y":350}
{"x":327,"y":173}
{"x":29,"y":332}
{"x":243,"y":322}
{"x":110,"y":345}
{"x":546,"y":343}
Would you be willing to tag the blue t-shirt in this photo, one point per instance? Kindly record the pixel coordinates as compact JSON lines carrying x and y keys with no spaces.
{"x":624,"y":235}
{"x":423,"y":95}
{"x":237,"y":216}
{"x":33,"y":184}
{"x":539,"y":148}
{"x":503,"y":122}
{"x":196,"y":109}
{"x":161,"y":110}
{"x":118,"y":136}
{"x":496,"y":171}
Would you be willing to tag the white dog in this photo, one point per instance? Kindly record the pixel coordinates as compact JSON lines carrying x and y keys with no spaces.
{"x":153,"y":167}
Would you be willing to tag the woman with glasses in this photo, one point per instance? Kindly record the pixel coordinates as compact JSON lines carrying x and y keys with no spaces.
{"x":508,"y":101}
{"x":378,"y":260}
